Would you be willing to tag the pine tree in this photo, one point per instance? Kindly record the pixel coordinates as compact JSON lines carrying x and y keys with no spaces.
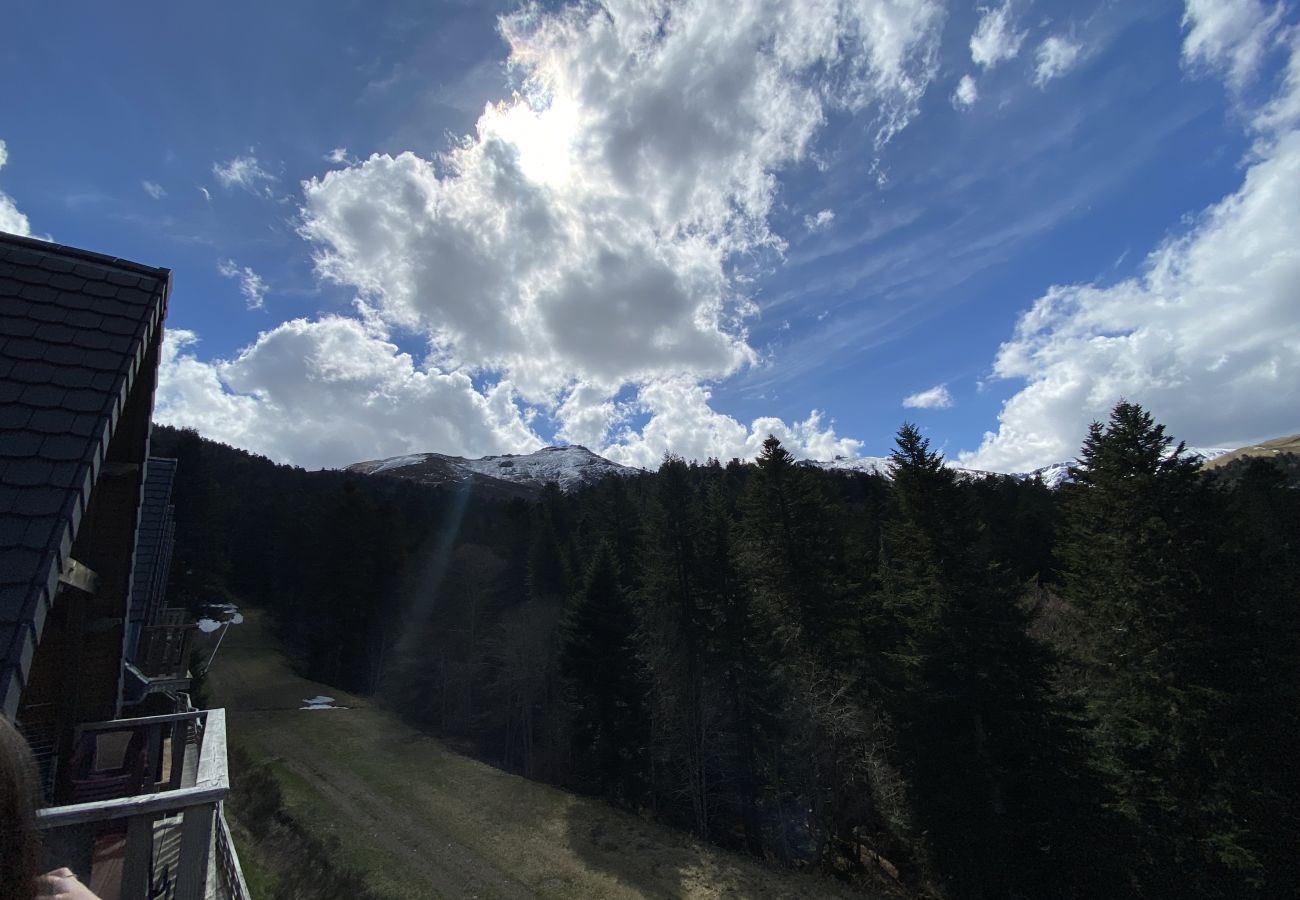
{"x":1139,"y":568}
{"x":600,"y":661}
{"x":990,"y":757}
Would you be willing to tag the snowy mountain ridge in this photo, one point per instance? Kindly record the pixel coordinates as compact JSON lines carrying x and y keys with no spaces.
{"x":574,"y":466}
{"x":569,"y":467}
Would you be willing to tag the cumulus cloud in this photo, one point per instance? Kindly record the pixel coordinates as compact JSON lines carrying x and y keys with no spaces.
{"x":330,"y":392}
{"x":1232,"y":37}
{"x":243,"y":172}
{"x":584,"y":238}
{"x":153,"y":189}
{"x":338,"y":156}
{"x":11,"y":220}
{"x":820,"y":221}
{"x":682,"y":421}
{"x":966,"y":94}
{"x":251,"y":284}
{"x":1056,"y":56}
{"x":1207,"y":337}
{"x":995,"y":39}
{"x":936,"y":397}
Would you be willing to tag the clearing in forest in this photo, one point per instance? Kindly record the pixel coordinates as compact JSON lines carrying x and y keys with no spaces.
{"x":422,"y":821}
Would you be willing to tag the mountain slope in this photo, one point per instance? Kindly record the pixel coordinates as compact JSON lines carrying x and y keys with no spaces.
{"x":1267,"y":449}
{"x":569,"y":467}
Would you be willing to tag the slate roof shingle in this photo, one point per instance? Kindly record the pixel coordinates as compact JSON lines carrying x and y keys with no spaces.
{"x":74,"y":330}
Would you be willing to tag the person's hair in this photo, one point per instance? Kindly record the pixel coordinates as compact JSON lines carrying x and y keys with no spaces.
{"x":20,"y":843}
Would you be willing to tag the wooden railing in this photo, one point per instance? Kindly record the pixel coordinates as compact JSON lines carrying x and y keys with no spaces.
{"x":155,"y":843}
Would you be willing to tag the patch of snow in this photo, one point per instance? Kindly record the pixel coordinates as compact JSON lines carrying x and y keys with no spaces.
{"x":400,"y":462}
{"x":320,"y":702}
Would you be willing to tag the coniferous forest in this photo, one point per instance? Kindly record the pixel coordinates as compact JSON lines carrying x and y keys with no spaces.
{"x":958,"y":688}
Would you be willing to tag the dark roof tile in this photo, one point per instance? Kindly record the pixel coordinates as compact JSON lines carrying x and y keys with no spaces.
{"x":51,"y":421}
{"x":84,"y":400}
{"x":82,"y":318}
{"x":24,"y":348}
{"x":71,"y":377}
{"x":19,"y":444}
{"x":66,"y":355}
{"x":47,"y":312}
{"x":39,"y":533}
{"x":124,"y":279}
{"x":134,"y":295}
{"x":58,"y":334}
{"x":101,"y":289}
{"x":33,"y":502}
{"x":43,"y":395}
{"x":84,"y":425}
{"x":9,"y":391}
{"x":38,"y":293}
{"x":16,"y":327}
{"x":66,"y":282}
{"x":31,"y":276}
{"x":63,"y":447}
{"x":27,"y":472}
{"x":13,"y":417}
{"x":92,"y":340}
{"x":93,"y":273}
{"x":56,"y":264}
{"x":33,"y":372}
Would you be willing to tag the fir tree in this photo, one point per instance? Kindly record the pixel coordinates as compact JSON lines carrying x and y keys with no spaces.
{"x":1139,"y":569}
{"x":989,"y":755}
{"x":600,"y":661}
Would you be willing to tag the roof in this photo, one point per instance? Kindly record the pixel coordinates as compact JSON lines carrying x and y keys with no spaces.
{"x":74,"y":330}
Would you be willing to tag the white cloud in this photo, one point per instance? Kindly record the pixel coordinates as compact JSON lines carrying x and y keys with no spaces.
{"x":583,"y":239}
{"x":936,"y":397}
{"x":995,"y":39}
{"x":339,"y":156}
{"x":966,"y":94}
{"x":11,"y":220}
{"x":243,"y":172}
{"x":251,"y":284}
{"x":153,"y":189}
{"x":682,"y":421}
{"x":331,"y":392}
{"x":207,"y":195}
{"x":1056,"y":56}
{"x":820,"y":221}
{"x":1207,"y":337}
{"x":1231,"y":36}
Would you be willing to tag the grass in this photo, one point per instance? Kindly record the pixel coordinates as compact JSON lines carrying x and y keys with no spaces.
{"x":419,"y":820}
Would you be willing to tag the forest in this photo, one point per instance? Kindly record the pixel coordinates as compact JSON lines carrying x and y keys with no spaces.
{"x":932,"y":685}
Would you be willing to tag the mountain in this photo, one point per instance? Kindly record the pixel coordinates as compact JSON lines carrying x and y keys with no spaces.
{"x":1269,"y":449}
{"x":570,"y":467}
{"x":1053,"y":475}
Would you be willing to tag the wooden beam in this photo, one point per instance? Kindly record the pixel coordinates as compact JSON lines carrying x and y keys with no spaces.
{"x":137,"y":868}
{"x":125,"y":807}
{"x":196,"y":845}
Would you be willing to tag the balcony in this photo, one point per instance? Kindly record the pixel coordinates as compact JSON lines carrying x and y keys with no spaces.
{"x":143,"y":813}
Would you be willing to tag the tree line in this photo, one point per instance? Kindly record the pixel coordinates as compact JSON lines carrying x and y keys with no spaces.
{"x":949,"y":687}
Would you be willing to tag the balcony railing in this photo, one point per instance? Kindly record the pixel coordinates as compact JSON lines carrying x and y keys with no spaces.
{"x":145,"y":818}
{"x":164,"y":650}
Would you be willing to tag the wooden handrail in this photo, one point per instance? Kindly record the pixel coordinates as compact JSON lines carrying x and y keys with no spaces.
{"x":124,"y":807}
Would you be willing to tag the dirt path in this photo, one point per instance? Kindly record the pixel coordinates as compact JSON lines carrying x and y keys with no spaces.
{"x":423,"y":821}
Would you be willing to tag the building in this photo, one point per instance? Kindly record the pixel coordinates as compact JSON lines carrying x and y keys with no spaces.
{"x":92,"y":665}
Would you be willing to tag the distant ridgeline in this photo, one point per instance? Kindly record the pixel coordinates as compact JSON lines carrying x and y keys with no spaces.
{"x":941,"y":685}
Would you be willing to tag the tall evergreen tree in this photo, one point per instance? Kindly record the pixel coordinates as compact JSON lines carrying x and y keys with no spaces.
{"x":990,"y":758}
{"x":1139,"y":567}
{"x":600,"y":660}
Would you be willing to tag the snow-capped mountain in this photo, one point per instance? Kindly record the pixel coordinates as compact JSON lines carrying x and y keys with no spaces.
{"x":1053,"y":475}
{"x":569,"y":467}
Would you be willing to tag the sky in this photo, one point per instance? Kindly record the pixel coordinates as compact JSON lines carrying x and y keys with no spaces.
{"x":650,"y":227}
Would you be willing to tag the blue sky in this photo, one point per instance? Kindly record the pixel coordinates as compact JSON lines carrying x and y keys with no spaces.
{"x":682,"y":226}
